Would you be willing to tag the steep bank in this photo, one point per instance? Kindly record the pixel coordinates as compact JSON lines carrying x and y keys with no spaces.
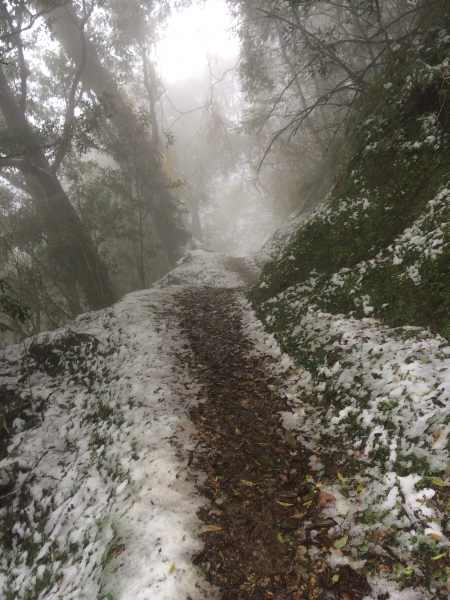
{"x":359,"y":297}
{"x":379,"y":244}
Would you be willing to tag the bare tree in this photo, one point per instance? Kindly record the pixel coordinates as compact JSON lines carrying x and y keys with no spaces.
{"x":312,"y":61}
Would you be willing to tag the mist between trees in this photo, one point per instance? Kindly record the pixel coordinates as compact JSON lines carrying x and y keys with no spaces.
{"x":107,"y":172}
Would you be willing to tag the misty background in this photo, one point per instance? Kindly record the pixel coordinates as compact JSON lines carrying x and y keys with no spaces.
{"x":131,"y":131}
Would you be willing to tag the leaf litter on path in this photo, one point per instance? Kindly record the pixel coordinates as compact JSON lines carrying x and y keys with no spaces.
{"x":265,"y":504}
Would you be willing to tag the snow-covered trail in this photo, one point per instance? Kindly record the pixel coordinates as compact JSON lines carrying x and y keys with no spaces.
{"x":99,"y":489}
{"x":103,"y":504}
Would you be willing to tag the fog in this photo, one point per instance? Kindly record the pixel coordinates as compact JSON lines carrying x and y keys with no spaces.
{"x":228,"y":208}
{"x":191,"y":35}
{"x":131,"y":129}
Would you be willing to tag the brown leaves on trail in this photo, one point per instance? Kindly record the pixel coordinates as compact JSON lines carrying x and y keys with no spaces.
{"x":283,"y":595}
{"x":257,"y":481}
{"x":324,"y":498}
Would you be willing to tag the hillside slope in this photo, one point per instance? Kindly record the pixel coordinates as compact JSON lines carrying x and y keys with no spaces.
{"x":379,"y":245}
{"x":359,"y":297}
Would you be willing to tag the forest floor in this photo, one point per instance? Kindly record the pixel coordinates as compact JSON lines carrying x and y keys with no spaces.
{"x":256,"y":473}
{"x":149,"y":458}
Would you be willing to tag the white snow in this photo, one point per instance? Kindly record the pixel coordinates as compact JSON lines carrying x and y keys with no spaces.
{"x":112,"y":505}
{"x":396,"y":390}
{"x":202,"y":268}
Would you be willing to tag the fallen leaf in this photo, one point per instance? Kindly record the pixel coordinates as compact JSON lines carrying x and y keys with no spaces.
{"x":298,"y":516}
{"x":283,"y":503}
{"x":280,"y":538}
{"x":341,"y":477}
{"x":287,"y":494}
{"x":248,"y":483}
{"x":307,"y":503}
{"x":438,"y":481}
{"x":290,"y":439}
{"x":117,"y":551}
{"x":309,"y":478}
{"x":341,"y":542}
{"x":324,"y":498}
{"x":361,"y":489}
{"x":435,"y":536}
{"x":282,"y":595}
{"x":335,"y":578}
{"x":213,"y":528}
{"x":325,"y":523}
{"x":438,"y":556}
{"x":345,"y":596}
{"x":286,"y":526}
{"x":235,"y":492}
{"x":172,"y":568}
{"x":237,"y":431}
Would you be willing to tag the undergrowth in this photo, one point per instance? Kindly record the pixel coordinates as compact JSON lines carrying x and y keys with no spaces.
{"x":380,"y":244}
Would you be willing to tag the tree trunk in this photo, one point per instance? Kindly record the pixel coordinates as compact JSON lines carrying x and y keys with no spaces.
{"x":172,"y":235}
{"x":68,"y":240}
{"x":196,"y":225}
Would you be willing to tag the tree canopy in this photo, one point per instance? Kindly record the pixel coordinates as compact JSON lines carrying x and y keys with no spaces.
{"x":107,"y":170}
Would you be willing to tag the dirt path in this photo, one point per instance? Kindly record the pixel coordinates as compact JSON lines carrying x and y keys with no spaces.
{"x":257,"y":476}
{"x":241,"y":266}
{"x":115,"y":390}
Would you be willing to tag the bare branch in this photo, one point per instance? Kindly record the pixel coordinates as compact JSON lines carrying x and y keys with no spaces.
{"x":72,"y":102}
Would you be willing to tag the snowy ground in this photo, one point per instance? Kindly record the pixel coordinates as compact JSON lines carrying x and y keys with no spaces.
{"x":104,"y":505}
{"x":202,"y":268}
{"x":391,"y":412}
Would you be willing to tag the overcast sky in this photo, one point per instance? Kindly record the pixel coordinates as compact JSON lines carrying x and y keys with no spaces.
{"x":191,"y":35}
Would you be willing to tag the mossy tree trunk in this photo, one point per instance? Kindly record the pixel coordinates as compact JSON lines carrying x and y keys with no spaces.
{"x":70,"y":245}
